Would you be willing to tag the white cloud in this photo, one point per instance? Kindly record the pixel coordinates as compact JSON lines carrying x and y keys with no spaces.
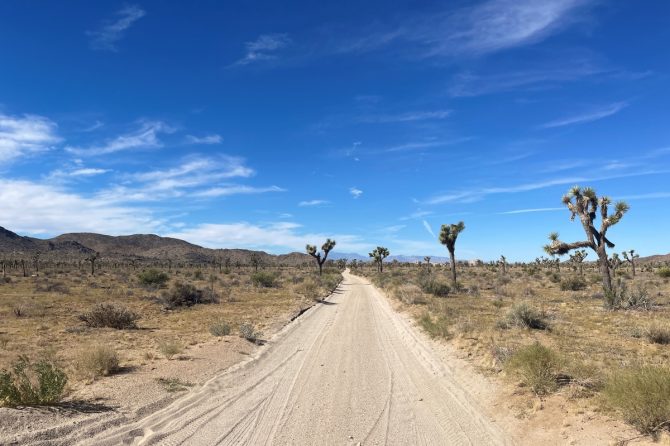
{"x":526,"y":211}
{"x":407,"y":117}
{"x":277,"y":237}
{"x":235,"y":189}
{"x":591,"y":116}
{"x":355,"y":192}
{"x":417,"y":214}
{"x":265,"y":47}
{"x":313,"y":203}
{"x":25,"y":135}
{"x":428,"y":228}
{"x":207,"y":139}
{"x":145,"y":137}
{"x":34,"y":208}
{"x":112,"y":31}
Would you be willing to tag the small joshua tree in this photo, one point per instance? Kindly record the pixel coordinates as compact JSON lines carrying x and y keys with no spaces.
{"x":379,"y":254}
{"x":615,"y":263}
{"x":503,"y":265}
{"x":326,"y":248}
{"x":577,"y":259}
{"x":92,"y":258}
{"x":630,"y":257}
{"x":584,"y":203}
{"x":255,"y":260}
{"x":427,"y":260}
{"x":448,"y":236}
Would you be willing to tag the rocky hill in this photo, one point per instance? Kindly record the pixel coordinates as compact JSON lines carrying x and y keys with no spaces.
{"x":138,"y":246}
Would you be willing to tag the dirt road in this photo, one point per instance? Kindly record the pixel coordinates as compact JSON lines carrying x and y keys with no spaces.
{"x":348,"y":372}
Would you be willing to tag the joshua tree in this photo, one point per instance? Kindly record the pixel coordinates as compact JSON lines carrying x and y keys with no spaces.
{"x":584,"y":203}
{"x":326,"y":248}
{"x":503,"y":264}
{"x":630,"y":257}
{"x":577,"y":259}
{"x":255,"y":260}
{"x":448,"y":236}
{"x":427,"y":260}
{"x":92,"y":258}
{"x":379,"y":254}
{"x":615,"y":263}
{"x":36,"y":262}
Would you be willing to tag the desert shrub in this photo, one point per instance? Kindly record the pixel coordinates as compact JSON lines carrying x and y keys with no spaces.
{"x":573,"y":283}
{"x":111,"y":316}
{"x":524,"y":315}
{"x":658,"y":334}
{"x":620,"y":297}
{"x":436,"y":288}
{"x":536,"y":366}
{"x":264,"y":279}
{"x":410,"y":294}
{"x":249,"y":332}
{"x":330,"y":281}
{"x":438,"y":328}
{"x":174,"y":384}
{"x":553,"y":277}
{"x":97,"y":361}
{"x":153,"y":277}
{"x":186,"y":295}
{"x":5,"y":280}
{"x":220,"y":328}
{"x":664,"y":272}
{"x":52,"y":287}
{"x":32,"y":384}
{"x":170,"y":349}
{"x":20,"y":310}
{"x":642,"y":396}
{"x":197,"y":275}
{"x":311,"y":289}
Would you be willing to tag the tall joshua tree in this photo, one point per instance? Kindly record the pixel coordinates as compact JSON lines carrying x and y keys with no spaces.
{"x":379,"y":254}
{"x":326,"y":248}
{"x":503,"y":264}
{"x":448,"y":236}
{"x":630,"y":257}
{"x":92,"y":258}
{"x":584,"y":203}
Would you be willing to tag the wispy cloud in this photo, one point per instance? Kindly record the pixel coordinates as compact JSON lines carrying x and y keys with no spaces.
{"x":146,"y":137}
{"x":646,"y":196}
{"x":419,"y":145}
{"x":407,"y":117}
{"x":487,"y":27}
{"x":207,"y":139}
{"x":264,"y":48}
{"x":24,"y":135}
{"x":590,"y":116}
{"x":277,"y":236}
{"x":527,"y":211}
{"x":428,"y":228}
{"x":313,"y":203}
{"x":469,"y":84}
{"x":111,"y":31}
{"x":355,"y":192}
{"x":235,"y":189}
{"x":416,"y":215}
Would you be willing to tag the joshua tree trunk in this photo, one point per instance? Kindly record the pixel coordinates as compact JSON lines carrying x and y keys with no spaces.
{"x":604,"y":268}
{"x":452,"y":264}
{"x":320,"y":269}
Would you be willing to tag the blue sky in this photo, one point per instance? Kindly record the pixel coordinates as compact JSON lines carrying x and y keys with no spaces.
{"x":269,"y":125}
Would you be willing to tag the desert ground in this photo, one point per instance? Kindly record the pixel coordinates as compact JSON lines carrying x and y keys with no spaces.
{"x":386,"y":359}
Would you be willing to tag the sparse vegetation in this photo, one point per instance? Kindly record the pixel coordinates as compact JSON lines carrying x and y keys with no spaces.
{"x":220,"y":328}
{"x":174,"y":384}
{"x":435,"y":327}
{"x":153,"y":277}
{"x":264,"y":279}
{"x":97,"y":361}
{"x":186,"y":295}
{"x":169,"y":349}
{"x":248,"y":331}
{"x":536,"y":366}
{"x":523,"y":315}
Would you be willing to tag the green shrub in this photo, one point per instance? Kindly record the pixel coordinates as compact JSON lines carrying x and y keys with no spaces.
{"x":153,"y":277}
{"x":664,"y":272}
{"x":174,"y":384}
{"x":434,"y":287}
{"x":186,"y":295}
{"x":111,"y":316}
{"x":311,"y":289}
{"x":642,"y":396}
{"x":438,"y":328}
{"x":32,"y":384}
{"x":98,"y":361}
{"x":220,"y":328}
{"x":573,"y":284}
{"x":330,"y":281}
{"x":264,"y":279}
{"x":536,"y":366}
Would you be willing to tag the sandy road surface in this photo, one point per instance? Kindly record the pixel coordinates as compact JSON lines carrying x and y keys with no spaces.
{"x":347,"y":372}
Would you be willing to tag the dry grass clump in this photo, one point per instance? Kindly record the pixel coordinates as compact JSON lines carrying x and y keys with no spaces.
{"x":111,"y":316}
{"x":573,"y":283}
{"x":664,"y":272}
{"x":410,"y":294}
{"x":264,"y":279}
{"x":642,"y":396}
{"x":186,"y":295}
{"x":174,"y":384}
{"x":170,"y":349}
{"x":153,"y":278}
{"x":523,"y":315}
{"x":536,"y":366}
{"x":248,"y":331}
{"x":97,"y":361}
{"x":658,"y":334}
{"x":220,"y":328}
{"x":436,"y":328}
